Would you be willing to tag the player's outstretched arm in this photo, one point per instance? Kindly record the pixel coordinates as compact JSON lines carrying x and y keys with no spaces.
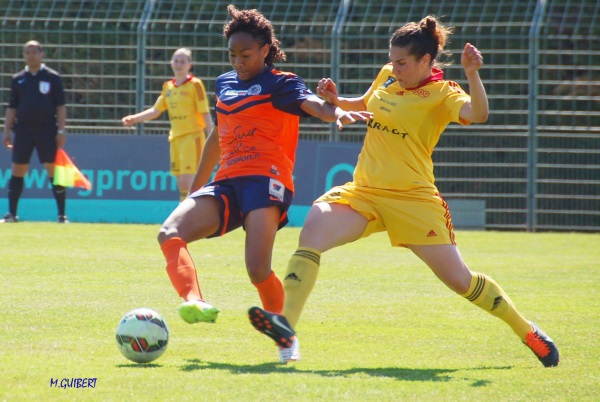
{"x":330,"y":113}
{"x":148,"y":114}
{"x":327,"y":90}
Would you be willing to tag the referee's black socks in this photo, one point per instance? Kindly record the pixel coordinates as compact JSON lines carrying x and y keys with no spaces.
{"x":60,"y":195}
{"x":15,"y":188}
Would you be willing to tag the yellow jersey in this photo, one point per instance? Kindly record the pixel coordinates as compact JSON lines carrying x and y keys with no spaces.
{"x":186,"y":103}
{"x":406,"y":126}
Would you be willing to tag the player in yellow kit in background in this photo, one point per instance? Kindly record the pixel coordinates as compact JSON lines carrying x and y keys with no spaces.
{"x":393,"y":188}
{"x":184,"y":97}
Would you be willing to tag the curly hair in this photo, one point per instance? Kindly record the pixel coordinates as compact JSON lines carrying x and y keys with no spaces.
{"x":426,"y":37}
{"x":255,"y":24}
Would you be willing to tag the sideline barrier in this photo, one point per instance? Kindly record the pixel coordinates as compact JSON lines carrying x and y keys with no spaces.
{"x":131,"y":182}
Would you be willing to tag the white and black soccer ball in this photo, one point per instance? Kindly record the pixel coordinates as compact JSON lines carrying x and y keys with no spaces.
{"x":142,"y":335}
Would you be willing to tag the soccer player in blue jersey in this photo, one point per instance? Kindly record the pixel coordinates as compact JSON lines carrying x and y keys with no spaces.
{"x":254,"y":141}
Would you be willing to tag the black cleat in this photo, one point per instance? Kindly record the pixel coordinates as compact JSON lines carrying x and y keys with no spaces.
{"x":275,"y":326}
{"x":9,"y":218}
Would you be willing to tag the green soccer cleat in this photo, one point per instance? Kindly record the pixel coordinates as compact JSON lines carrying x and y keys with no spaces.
{"x":194,"y":311}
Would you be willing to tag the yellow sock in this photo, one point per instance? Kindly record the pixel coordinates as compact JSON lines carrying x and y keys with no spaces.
{"x":299,"y":280}
{"x":485,"y":293}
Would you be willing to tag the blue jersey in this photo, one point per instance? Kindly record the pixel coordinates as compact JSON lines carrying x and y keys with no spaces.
{"x":258,"y":123}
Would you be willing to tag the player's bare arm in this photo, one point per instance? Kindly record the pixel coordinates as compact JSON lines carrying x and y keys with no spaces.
{"x":330,"y":113}
{"x":210,"y":156}
{"x":477,"y":110}
{"x":148,"y":114}
{"x":327,"y":89}
{"x":208,"y":124}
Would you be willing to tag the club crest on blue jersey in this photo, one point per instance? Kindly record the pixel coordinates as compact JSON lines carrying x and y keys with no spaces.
{"x":44,"y":87}
{"x":254,"y":90}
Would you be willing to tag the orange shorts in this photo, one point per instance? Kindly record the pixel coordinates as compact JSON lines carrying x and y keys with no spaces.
{"x":419,"y":218}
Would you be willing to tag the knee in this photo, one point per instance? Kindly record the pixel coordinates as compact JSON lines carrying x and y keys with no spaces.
{"x":257,"y":273}
{"x":457,"y":280}
{"x":305,"y":235}
{"x":462,"y":283}
{"x":165,"y":234}
{"x":19,"y":173}
{"x":312,"y":236}
{"x":161,"y":238}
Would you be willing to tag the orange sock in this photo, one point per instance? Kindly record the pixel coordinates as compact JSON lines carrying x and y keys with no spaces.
{"x":271,"y":294}
{"x":181,"y":269}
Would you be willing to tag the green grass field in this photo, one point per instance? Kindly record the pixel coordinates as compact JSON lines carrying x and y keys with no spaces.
{"x":378,"y":325}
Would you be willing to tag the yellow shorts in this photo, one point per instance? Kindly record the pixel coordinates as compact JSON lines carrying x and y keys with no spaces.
{"x":419,"y":218}
{"x":185,"y":153}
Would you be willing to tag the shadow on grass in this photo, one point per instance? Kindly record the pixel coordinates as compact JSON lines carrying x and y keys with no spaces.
{"x":402,"y":374}
{"x":138,"y":365}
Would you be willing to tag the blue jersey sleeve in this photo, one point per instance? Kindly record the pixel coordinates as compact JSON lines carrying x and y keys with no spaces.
{"x":290,"y":94}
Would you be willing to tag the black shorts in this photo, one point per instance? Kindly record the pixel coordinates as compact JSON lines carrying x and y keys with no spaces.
{"x":42,"y":139}
{"x":240,"y":195}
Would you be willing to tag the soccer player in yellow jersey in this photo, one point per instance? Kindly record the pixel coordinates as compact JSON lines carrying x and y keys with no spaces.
{"x":184,"y":97}
{"x":393,"y":188}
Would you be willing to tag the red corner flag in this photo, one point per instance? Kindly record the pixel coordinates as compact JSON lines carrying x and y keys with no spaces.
{"x":66,"y":173}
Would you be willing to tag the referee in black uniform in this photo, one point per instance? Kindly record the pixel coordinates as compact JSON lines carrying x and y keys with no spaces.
{"x":37,"y":115}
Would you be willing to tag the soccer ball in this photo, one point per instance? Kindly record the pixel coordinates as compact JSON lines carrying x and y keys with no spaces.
{"x":142,"y":335}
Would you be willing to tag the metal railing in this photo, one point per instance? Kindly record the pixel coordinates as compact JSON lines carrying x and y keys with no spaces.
{"x":536,"y":162}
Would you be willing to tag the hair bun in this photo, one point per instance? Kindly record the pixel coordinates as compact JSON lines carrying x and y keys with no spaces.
{"x":428,"y":24}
